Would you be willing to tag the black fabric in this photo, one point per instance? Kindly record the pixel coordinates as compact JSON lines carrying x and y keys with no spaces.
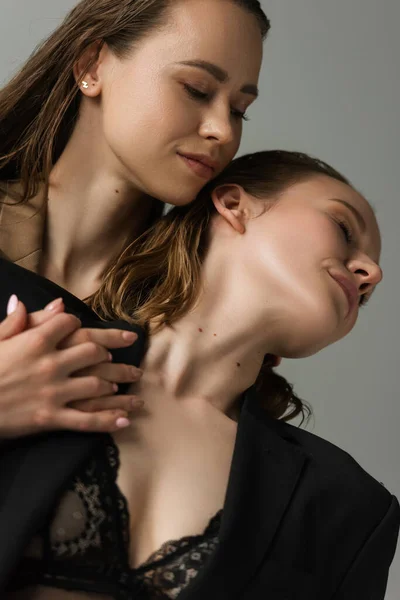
{"x":84,"y":545}
{"x":36,"y":292}
{"x":301,"y":519}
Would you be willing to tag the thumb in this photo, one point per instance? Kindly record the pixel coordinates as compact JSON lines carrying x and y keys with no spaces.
{"x":16,"y":320}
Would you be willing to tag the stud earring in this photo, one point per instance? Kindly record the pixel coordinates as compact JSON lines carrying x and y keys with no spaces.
{"x":85,"y":85}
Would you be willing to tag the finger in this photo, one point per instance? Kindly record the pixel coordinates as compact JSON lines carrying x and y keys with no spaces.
{"x":16,"y":321}
{"x":106,"y":421}
{"x":41,"y":316}
{"x":109,"y":338}
{"x":80,"y":357}
{"x":81,"y":388}
{"x":50,"y":333}
{"x":123,"y":402}
{"x":116,"y":372}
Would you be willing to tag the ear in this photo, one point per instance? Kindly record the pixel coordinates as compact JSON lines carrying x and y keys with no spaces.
{"x":86,"y":70}
{"x":230,"y":202}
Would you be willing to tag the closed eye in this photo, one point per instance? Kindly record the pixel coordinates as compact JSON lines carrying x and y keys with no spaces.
{"x":346,"y":231}
{"x":348,"y":236}
{"x":196,"y":94}
{"x":204,"y":97}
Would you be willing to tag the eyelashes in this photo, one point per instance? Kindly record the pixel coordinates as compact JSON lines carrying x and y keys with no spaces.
{"x":348,"y":235}
{"x":204,"y":97}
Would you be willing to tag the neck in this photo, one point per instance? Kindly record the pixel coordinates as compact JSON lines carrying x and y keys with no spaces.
{"x":215,"y":352}
{"x":93,"y":212}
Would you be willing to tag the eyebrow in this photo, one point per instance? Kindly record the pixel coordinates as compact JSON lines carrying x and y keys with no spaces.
{"x":358,"y":216}
{"x":219,"y":74}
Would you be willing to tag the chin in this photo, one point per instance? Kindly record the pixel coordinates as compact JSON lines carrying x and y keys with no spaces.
{"x":175,"y":197}
{"x":180,"y":201}
{"x":301,"y":353}
{"x":307,"y":345}
{"x":312,"y":329}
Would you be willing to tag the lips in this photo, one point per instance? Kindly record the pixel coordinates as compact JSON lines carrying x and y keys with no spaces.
{"x":349,"y":289}
{"x":200,"y":169}
{"x":203,"y":159}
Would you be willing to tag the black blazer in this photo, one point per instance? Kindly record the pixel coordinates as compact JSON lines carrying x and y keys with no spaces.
{"x":301,"y":521}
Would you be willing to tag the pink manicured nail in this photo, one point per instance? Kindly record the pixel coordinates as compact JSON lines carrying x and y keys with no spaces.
{"x":122,"y":422}
{"x":129,"y":336}
{"x":54,"y":304}
{"x":12,"y":304}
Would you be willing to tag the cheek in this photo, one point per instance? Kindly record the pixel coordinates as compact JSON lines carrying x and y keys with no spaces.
{"x":296,"y":243}
{"x":289,"y":259}
{"x":144,"y":111}
{"x":312,"y":236}
{"x":231,"y":149}
{"x":133,"y":116}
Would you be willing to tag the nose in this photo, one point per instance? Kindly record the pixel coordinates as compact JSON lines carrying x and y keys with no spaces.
{"x":217,"y":125}
{"x":367,"y":273}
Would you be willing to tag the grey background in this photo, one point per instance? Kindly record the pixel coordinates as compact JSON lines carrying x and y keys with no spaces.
{"x":330,"y":86}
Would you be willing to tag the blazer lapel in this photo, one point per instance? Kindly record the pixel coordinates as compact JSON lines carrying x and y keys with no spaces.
{"x":264,"y":473}
{"x":34,"y":469}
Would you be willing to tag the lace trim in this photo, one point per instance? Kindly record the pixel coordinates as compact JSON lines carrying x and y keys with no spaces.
{"x":168,"y":548}
{"x":168,"y":580}
{"x":87,"y":541}
{"x":171,"y":548}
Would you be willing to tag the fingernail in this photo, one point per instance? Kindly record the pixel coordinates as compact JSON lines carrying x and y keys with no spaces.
{"x":12,"y":304}
{"x":54,"y":304}
{"x":137,"y":403}
{"x":136,"y":372}
{"x":129,"y":336}
{"x":115,"y":387}
{"x":122,"y":422}
{"x":110,"y":356}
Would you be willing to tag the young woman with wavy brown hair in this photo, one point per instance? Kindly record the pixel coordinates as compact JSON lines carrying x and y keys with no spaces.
{"x":127,"y":105}
{"x":210,"y":493}
{"x":207,"y":492}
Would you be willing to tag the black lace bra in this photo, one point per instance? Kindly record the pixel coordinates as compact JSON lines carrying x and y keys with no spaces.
{"x":85,"y":544}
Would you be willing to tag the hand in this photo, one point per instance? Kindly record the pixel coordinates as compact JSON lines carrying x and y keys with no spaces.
{"x":106,"y":371}
{"x":35,"y":375}
{"x":18,"y":319}
{"x":111,"y":372}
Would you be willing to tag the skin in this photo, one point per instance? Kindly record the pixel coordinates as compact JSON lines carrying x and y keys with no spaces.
{"x":137,"y":114}
{"x":267,"y":288}
{"x":45,"y":348}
